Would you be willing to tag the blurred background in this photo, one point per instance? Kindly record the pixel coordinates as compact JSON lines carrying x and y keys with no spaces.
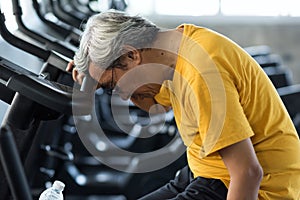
{"x":249,"y":23}
{"x":269,"y":30}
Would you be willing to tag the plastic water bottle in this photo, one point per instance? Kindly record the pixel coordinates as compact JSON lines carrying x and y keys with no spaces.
{"x":54,"y":192}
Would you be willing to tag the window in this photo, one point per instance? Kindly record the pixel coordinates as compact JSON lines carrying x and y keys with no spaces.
{"x":217,"y":7}
{"x":260,"y":8}
{"x":10,"y":22}
{"x":186,"y":7}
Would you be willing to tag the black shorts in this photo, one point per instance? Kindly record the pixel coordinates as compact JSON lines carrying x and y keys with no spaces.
{"x":184,"y":187}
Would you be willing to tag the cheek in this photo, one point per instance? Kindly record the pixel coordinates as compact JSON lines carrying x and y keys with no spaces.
{"x":130,"y":80}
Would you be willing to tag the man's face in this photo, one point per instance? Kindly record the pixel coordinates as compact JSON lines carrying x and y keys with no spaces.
{"x":135,"y":82}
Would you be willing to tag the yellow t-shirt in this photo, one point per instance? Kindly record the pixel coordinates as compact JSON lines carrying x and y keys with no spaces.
{"x":221,"y":96}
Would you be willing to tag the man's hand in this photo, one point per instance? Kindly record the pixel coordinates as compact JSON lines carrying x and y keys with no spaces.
{"x":77,"y":77}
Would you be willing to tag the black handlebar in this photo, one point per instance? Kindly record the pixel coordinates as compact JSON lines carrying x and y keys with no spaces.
{"x":48,"y":56}
{"x":11,"y":163}
{"x":50,"y":94}
{"x":21,"y":44}
{"x":50,"y":44}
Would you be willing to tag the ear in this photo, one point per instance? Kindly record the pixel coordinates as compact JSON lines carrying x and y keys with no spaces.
{"x":131,"y":54}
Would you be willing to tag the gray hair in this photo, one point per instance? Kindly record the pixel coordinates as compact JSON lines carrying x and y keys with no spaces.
{"x":106,"y":34}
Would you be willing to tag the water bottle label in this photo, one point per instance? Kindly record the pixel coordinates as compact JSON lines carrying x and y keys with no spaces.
{"x":51,"y":195}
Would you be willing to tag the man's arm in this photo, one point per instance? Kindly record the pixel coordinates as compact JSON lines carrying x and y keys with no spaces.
{"x":244,"y":170}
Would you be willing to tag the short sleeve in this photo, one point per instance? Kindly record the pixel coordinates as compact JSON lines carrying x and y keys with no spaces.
{"x":222,"y":120}
{"x":163,"y":97}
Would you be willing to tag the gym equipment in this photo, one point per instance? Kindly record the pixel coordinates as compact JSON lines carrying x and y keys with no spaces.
{"x":68,"y":18}
{"x":290,"y":96}
{"x":271,"y":64}
{"x":12,"y":166}
{"x":54,"y":63}
{"x":80,"y":6}
{"x":67,"y":7}
{"x":30,"y":97}
{"x":49,"y":44}
{"x":264,"y":56}
{"x":62,"y":154}
{"x":271,"y":60}
{"x":35,"y":99}
{"x":279,"y":76}
{"x":61,"y":20}
{"x":69,"y":33}
{"x":45,"y":157}
{"x":282,"y":79}
{"x":123,"y":183}
{"x":258,"y":50}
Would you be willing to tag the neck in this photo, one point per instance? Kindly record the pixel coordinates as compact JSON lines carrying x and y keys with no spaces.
{"x":163,"y":51}
{"x":167,"y":45}
{"x":168,"y":41}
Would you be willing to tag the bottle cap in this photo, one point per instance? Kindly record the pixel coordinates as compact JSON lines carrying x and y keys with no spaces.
{"x":59,"y":185}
